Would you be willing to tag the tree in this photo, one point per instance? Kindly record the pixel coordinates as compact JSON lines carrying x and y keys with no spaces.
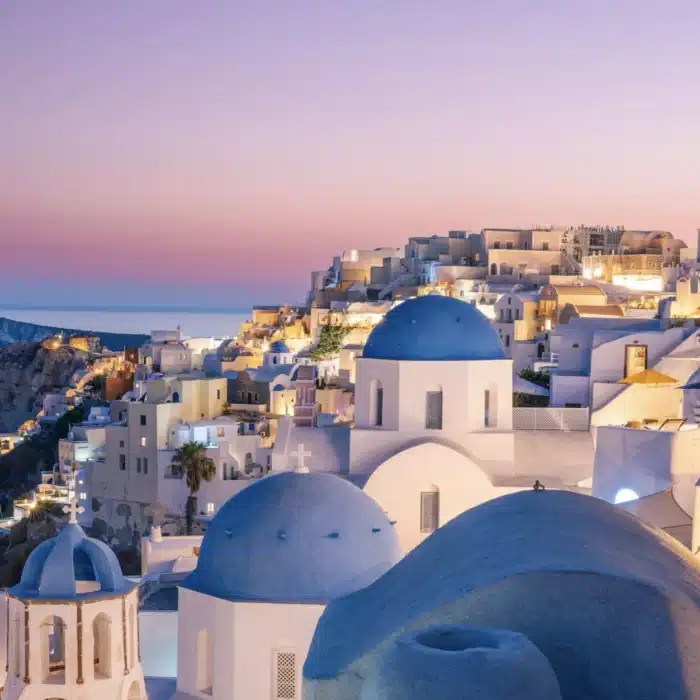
{"x":330,"y":342}
{"x":191,"y":461}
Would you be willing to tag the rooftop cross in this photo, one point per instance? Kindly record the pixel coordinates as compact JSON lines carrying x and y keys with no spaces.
{"x":300,"y":455}
{"x":74,"y":509}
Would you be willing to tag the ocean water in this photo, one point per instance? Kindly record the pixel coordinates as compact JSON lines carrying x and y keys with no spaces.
{"x":194,"y":322}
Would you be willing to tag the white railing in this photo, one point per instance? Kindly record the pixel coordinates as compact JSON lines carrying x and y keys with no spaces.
{"x":548,"y":418}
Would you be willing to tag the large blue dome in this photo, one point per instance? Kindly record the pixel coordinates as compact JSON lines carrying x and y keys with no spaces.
{"x":57,"y":567}
{"x":295,"y":537}
{"x":434,"y":328}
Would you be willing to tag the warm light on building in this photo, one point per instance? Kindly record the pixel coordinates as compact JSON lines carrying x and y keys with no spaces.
{"x":639,"y":283}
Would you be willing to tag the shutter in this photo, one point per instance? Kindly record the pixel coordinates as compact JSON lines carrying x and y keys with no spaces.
{"x":429,"y":511}
{"x":285,"y":676}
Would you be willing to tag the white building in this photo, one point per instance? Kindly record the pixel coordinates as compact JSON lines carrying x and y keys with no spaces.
{"x":72,"y":624}
{"x":271,"y":560}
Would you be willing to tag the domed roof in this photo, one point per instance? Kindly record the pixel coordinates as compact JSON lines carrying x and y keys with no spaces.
{"x":694,"y":381}
{"x":279,"y":346}
{"x":570,"y":572}
{"x":57,"y":567}
{"x":434,"y":328}
{"x":295,"y":537}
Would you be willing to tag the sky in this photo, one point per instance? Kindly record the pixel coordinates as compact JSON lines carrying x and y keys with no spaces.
{"x":214,"y":152}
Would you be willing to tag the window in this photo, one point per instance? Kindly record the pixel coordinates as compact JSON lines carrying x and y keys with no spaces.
{"x":143,"y":420}
{"x":635,"y":359}
{"x":507,"y":341}
{"x":144,"y":442}
{"x":102,"y":636}
{"x":83,"y":496}
{"x":496,"y":245}
{"x":121,"y":443}
{"x":220,"y":432}
{"x":433,"y":410}
{"x":376,"y":404}
{"x":17,"y":646}
{"x":517,"y":314}
{"x":122,"y":462}
{"x":274,"y":360}
{"x":285,"y":675}
{"x":510,"y":314}
{"x":53,"y":635}
{"x":545,"y":245}
{"x":210,"y":508}
{"x":145,"y":465}
{"x":257,"y":397}
{"x":205,"y":663}
{"x":494,"y":269}
{"x":490,"y":408}
{"x":503,"y":314}
{"x":509,"y":245}
{"x":430,"y":510}
{"x":218,"y":394}
{"x":138,"y":465}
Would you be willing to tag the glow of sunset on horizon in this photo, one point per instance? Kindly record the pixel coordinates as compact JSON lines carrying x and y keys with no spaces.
{"x":218,"y":152}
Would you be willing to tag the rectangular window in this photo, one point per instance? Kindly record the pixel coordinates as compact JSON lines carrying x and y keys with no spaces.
{"x":122,"y":462}
{"x":121,"y":443}
{"x":285,"y":676}
{"x":219,"y":432}
{"x":635,"y":359}
{"x":545,"y":245}
{"x":487,"y":409}
{"x":257,"y":397}
{"x":83,"y":496}
{"x":218,"y":394}
{"x":138,"y":465}
{"x":144,"y":442}
{"x":507,"y":341}
{"x":210,"y":508}
{"x":433,"y":410}
{"x":496,"y":245}
{"x":429,"y":511}
{"x":145,"y":465}
{"x":509,"y":245}
{"x":380,"y":406}
{"x":143,"y":420}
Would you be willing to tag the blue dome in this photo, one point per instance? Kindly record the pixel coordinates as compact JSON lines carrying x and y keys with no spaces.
{"x":295,"y":537}
{"x":434,"y":328}
{"x":279,"y":346}
{"x":54,"y":569}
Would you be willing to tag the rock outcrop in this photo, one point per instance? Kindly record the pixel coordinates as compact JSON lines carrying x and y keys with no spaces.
{"x":28,"y":371}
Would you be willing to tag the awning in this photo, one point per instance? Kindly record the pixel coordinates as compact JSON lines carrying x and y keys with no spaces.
{"x":648,"y":376}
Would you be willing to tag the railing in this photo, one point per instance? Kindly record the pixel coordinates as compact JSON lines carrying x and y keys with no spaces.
{"x":549,"y":418}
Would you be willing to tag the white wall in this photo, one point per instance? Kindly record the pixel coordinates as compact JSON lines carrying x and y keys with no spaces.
{"x":569,"y":389}
{"x":159,"y":640}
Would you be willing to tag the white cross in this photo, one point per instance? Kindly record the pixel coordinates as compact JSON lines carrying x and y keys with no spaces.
{"x":74,"y":509}
{"x":300,"y":455}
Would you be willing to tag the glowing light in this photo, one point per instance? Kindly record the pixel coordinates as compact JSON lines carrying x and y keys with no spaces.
{"x":626,"y":495}
{"x":641,"y":283}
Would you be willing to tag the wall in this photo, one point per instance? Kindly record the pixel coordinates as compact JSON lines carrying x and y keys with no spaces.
{"x":159,"y":642}
{"x":569,"y":389}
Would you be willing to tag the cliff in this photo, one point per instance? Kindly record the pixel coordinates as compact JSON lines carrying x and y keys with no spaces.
{"x":28,"y":372}
{"x":12,"y":332}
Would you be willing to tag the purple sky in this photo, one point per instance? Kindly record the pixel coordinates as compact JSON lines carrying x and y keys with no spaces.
{"x":215,"y":151}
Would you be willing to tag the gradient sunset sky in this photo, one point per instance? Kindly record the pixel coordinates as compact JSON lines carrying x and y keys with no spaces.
{"x":215,"y":151}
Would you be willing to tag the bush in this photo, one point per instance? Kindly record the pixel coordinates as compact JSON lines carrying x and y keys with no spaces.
{"x":330,"y":342}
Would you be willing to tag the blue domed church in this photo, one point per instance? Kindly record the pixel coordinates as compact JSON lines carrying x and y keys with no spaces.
{"x":72,"y":628}
{"x":271,"y":560}
{"x":433,"y":413}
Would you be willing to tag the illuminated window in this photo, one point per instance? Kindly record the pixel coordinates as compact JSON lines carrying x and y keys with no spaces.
{"x":144,"y":442}
{"x":429,"y":510}
{"x":210,"y":508}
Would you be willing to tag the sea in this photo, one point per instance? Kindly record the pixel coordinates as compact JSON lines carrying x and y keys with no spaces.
{"x":205,"y":322}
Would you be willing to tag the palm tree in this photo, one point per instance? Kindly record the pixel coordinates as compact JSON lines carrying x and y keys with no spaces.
{"x":191,"y":461}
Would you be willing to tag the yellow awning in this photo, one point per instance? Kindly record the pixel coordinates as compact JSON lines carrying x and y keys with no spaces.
{"x":648,"y":376}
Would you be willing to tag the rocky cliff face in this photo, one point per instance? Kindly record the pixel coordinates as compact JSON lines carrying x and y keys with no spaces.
{"x":12,"y":332}
{"x":28,"y":372}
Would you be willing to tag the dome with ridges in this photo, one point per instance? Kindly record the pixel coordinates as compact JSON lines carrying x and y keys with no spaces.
{"x":434,"y":328}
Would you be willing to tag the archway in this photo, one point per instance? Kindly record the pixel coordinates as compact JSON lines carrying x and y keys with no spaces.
{"x":102,"y":651}
{"x":53,"y":646}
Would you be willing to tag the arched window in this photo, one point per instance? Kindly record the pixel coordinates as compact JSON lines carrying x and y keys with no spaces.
{"x":494,"y":269}
{"x":430,"y":510}
{"x":376,"y":406}
{"x":17,"y":646}
{"x":490,"y":405}
{"x":205,"y":663}
{"x":176,"y":397}
{"x":433,"y":409}
{"x":102,"y":651}
{"x":53,"y":649}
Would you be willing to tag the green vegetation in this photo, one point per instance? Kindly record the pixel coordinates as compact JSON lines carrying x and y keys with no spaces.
{"x":540,"y":378}
{"x":97,"y":385}
{"x":191,"y":461}
{"x":330,"y":342}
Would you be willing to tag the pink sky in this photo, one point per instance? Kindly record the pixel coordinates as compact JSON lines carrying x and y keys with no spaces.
{"x":217,"y":152}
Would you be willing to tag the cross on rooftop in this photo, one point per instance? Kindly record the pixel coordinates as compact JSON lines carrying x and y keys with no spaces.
{"x":74,"y":509}
{"x":300,"y":455}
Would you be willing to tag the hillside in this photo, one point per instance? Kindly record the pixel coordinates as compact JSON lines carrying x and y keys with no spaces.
{"x":12,"y":332}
